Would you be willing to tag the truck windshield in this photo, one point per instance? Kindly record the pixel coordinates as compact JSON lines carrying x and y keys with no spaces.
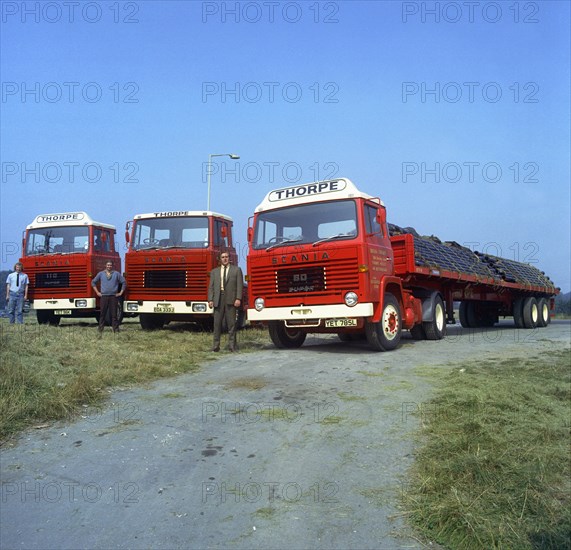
{"x":307,"y":223}
{"x":57,"y":240}
{"x":183,"y":232}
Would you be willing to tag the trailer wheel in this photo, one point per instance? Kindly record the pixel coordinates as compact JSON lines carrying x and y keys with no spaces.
{"x":464,"y":307}
{"x":385,"y":335}
{"x":435,"y":329}
{"x":544,"y":317}
{"x":285,"y":338}
{"x":530,"y":312}
{"x":518,"y":313}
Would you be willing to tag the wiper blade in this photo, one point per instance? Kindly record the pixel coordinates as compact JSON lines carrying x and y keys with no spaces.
{"x":332,"y":237}
{"x":281,"y":243}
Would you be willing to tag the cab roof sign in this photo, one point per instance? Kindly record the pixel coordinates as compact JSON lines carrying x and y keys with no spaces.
{"x":65,"y":218}
{"x":341,"y":188}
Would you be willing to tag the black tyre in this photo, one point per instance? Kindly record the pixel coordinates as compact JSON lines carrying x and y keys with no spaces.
{"x":150,"y":321}
{"x":417,"y":332}
{"x":530,"y":312}
{"x":518,"y":313}
{"x":285,"y":338}
{"x":385,"y":335}
{"x":240,"y":319}
{"x":464,"y":306}
{"x":435,"y":329}
{"x":46,"y":317}
{"x":544,"y":317}
{"x":43,"y":316}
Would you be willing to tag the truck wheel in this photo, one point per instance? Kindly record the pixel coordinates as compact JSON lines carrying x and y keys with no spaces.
{"x":43,"y":316}
{"x":417,"y":332}
{"x":241,"y":319}
{"x":518,"y":313}
{"x":544,"y":317}
{"x":385,"y":335}
{"x":150,"y":321}
{"x":435,"y":329}
{"x":530,"y":312}
{"x":284,"y":337}
{"x":46,"y":317}
{"x":464,"y":306}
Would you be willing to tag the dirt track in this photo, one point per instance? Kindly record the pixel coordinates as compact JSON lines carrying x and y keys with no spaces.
{"x":276,"y":449}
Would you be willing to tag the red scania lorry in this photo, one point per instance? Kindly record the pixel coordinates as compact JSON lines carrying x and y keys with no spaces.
{"x":323,"y":259}
{"x":61,"y":255}
{"x":168,"y":264}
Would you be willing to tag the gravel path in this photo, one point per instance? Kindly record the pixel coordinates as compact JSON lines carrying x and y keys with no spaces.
{"x":274,"y":449}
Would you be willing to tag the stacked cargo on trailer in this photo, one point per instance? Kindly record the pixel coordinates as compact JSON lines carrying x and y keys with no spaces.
{"x":168,"y":262}
{"x":322,"y":259}
{"x":61,"y":254}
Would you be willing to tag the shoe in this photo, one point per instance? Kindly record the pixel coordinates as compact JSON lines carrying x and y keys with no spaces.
{"x":215,"y":348}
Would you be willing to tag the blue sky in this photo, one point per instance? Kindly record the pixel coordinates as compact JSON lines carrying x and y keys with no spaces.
{"x":459,"y":121}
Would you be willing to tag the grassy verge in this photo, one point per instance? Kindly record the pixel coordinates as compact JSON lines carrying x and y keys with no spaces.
{"x":494,"y":471}
{"x":49,"y":373}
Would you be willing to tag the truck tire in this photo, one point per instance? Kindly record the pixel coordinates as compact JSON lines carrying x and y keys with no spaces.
{"x":150,"y":321}
{"x":530,"y":312}
{"x":385,"y":335}
{"x":285,"y":338}
{"x":435,"y":329}
{"x":46,"y":317}
{"x":464,"y":306}
{"x":417,"y":332}
{"x":518,"y":313}
{"x":544,"y":317}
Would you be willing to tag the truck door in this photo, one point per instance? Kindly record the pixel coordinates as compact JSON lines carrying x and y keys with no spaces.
{"x":379,"y":250}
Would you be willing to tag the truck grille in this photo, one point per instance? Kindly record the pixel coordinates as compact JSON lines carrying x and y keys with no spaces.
{"x":312,"y":279}
{"x":165,"y":279}
{"x":189,"y":283}
{"x":52,"y":279}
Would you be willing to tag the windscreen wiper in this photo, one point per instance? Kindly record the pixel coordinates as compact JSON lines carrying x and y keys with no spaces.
{"x":338,"y":236}
{"x":281,"y":243}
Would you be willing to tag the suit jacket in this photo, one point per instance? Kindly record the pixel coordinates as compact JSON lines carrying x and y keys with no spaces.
{"x":232,"y":289}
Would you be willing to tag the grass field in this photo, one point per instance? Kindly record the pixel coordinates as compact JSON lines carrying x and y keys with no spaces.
{"x":50,"y":373}
{"x":494,"y":467}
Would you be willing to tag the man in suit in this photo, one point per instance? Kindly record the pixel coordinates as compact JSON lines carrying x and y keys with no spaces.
{"x":225,"y":296}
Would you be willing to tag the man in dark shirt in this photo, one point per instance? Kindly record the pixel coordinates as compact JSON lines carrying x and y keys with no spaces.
{"x":109,"y":282}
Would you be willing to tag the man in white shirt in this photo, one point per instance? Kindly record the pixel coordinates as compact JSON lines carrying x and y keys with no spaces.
{"x":16,"y":293}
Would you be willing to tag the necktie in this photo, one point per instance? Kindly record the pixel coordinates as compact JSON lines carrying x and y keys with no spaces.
{"x":18,"y":280}
{"x":223,"y":277}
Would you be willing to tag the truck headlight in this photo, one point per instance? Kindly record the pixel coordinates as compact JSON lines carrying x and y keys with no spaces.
{"x":132,"y":306}
{"x":351,"y":299}
{"x":81,"y":303}
{"x":259,"y":304}
{"x":199,"y":308}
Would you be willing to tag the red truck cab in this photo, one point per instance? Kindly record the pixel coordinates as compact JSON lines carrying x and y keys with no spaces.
{"x":61,"y":255}
{"x":168,"y":264}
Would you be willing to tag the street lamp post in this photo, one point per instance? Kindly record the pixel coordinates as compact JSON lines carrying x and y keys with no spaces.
{"x":209,"y":170}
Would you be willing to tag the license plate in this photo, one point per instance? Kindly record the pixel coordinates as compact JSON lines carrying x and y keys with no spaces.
{"x":164,"y":309}
{"x":336,"y":323}
{"x":62,"y":311}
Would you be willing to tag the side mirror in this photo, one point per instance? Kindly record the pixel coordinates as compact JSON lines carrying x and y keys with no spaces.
{"x":250,"y":234}
{"x":224,"y":231}
{"x":382,"y":217}
{"x":127,"y":237}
